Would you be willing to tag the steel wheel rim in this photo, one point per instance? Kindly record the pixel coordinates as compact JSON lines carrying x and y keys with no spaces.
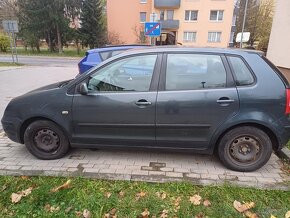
{"x":245,"y":150}
{"x":46,"y":140}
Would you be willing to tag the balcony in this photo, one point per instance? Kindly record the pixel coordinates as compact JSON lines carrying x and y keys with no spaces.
{"x":169,"y":24}
{"x":167,"y":4}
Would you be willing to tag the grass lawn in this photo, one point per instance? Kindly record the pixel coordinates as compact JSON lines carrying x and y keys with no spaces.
{"x":10,"y":64}
{"x":130,"y":199}
{"x":67,"y":52}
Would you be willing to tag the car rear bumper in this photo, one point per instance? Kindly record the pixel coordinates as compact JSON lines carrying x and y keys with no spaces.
{"x":282,"y":127}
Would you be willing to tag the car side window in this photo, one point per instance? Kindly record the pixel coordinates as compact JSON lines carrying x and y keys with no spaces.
{"x":128,"y":74}
{"x":194,"y":71}
{"x":241,"y":71}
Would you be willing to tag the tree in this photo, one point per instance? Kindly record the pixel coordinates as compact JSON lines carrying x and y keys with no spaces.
{"x":258,"y":22}
{"x":40,"y":19}
{"x":138,"y":31}
{"x":93,"y":28}
{"x":114,"y":38}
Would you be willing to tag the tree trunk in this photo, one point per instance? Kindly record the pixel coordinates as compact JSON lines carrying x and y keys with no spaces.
{"x":49,"y":41}
{"x":58,"y":39}
{"x":78,"y":47}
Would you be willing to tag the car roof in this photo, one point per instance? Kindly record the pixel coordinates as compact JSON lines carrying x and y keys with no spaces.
{"x":158,"y":49}
{"x":115,"y":48}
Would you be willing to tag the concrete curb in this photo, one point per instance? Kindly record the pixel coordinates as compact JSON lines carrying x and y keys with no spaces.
{"x":284,"y":153}
{"x":150,"y":179}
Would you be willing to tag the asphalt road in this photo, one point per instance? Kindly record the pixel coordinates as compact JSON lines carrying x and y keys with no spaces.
{"x":43,"y":61}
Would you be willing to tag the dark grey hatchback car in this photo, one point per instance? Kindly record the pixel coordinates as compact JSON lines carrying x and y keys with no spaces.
{"x":204,"y":100}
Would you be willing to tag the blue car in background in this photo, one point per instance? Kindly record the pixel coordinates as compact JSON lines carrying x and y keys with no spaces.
{"x":95,"y":56}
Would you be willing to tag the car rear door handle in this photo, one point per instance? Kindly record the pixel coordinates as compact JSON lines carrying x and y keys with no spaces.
{"x":143,"y":102}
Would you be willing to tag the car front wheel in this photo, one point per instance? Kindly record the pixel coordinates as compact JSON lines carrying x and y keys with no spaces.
{"x":45,"y":140}
{"x":245,"y":149}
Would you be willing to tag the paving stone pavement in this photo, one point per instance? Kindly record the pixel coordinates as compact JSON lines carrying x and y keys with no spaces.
{"x":138,"y":166}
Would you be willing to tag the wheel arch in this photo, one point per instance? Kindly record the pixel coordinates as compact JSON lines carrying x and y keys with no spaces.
{"x":28,"y":121}
{"x":273,"y":137}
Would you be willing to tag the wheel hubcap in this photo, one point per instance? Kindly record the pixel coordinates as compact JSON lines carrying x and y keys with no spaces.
{"x":245,"y":149}
{"x":46,"y":140}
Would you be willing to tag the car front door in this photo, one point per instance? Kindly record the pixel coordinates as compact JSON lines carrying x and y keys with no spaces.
{"x":196,"y":96}
{"x":119,"y":108}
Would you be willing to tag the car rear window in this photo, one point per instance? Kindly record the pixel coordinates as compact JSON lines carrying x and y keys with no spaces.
{"x":243,"y":75}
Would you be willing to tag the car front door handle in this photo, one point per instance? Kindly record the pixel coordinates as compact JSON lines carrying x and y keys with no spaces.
{"x":143,"y":102}
{"x":225,"y":101}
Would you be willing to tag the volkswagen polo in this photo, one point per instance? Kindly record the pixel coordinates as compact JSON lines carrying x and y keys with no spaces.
{"x":201,"y":100}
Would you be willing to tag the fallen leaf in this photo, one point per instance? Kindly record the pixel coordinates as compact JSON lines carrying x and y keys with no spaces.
{"x":164,"y":214}
{"x":161,"y":195}
{"x":51,"y":209}
{"x":121,"y":194}
{"x":195,"y":199}
{"x":108,"y":194}
{"x":78,"y":213}
{"x":145,"y":213}
{"x":199,"y":215}
{"x":287,"y":215}
{"x":140,"y":194}
{"x":3,"y":188}
{"x":243,"y":207}
{"x":206,"y":203}
{"x":111,"y":214}
{"x":272,"y":216}
{"x":86,"y":213}
{"x":24,"y":177}
{"x":16,"y":197}
{"x":249,"y":214}
{"x":177,"y":201}
{"x":67,"y":210}
{"x":176,"y":204}
{"x":66,"y":185}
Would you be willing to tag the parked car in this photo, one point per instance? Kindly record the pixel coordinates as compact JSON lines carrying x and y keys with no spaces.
{"x":95,"y":56}
{"x":232,"y":101}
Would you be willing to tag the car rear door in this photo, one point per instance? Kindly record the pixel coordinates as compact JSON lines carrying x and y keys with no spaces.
{"x":196,"y":95}
{"x":121,"y":104}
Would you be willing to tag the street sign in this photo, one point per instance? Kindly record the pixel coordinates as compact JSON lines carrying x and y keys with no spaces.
{"x":152,"y":29}
{"x":246,"y":37}
{"x":10,"y":26}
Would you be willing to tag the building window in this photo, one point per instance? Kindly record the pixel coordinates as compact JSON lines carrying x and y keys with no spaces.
{"x":143,"y":1}
{"x":216,"y":15}
{"x":142,"y":17}
{"x":214,"y":36}
{"x":189,"y":36}
{"x":162,"y":15}
{"x":191,"y":15}
{"x":170,"y":14}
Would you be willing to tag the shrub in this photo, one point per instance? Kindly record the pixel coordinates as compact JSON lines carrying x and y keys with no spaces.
{"x":4,"y":43}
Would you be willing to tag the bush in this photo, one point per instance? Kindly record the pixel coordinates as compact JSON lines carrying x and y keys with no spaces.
{"x":4,"y":43}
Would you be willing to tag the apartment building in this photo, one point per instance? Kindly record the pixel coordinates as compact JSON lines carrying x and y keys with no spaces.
{"x":279,"y":44}
{"x":188,"y":22}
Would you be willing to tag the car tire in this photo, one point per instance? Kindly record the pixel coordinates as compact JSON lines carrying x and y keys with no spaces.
{"x":245,"y":149}
{"x":46,"y":140}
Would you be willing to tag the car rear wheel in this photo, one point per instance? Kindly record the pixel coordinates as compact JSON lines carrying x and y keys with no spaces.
{"x":245,"y":149}
{"x":45,"y":140}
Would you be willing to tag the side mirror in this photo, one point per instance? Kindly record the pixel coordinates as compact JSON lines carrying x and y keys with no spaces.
{"x":83,"y":88}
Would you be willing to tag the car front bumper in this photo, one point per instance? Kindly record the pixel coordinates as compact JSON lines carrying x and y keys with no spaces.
{"x":11,"y":129}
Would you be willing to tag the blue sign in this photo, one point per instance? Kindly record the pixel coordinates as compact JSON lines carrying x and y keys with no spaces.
{"x":152,"y":29}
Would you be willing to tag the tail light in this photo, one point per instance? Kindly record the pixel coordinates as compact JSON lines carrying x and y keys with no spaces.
{"x":287,"y":110}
